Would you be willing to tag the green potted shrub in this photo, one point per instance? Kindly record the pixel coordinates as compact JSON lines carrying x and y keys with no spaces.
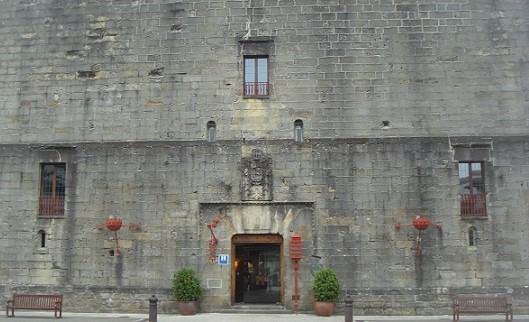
{"x":187,"y":291}
{"x":325,"y":290}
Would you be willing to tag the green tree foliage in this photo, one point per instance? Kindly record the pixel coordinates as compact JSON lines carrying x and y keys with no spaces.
{"x":326,"y":287}
{"x":186,"y":286}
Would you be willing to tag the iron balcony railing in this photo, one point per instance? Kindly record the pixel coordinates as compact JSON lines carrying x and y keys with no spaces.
{"x":51,"y":206}
{"x":256,"y":89}
{"x":473,"y":204}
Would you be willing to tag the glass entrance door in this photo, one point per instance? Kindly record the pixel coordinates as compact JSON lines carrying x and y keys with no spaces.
{"x":257,"y":273}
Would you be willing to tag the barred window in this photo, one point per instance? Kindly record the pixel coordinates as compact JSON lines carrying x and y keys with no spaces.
{"x":52,"y":189}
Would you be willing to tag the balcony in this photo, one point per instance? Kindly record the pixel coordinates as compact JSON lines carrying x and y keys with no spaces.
{"x":472,"y":205}
{"x":51,"y":206}
{"x":256,"y":89}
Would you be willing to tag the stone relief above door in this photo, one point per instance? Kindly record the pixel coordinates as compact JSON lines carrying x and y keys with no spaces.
{"x":256,"y":183}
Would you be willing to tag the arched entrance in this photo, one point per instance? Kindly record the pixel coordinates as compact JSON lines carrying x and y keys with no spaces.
{"x":257,"y":268}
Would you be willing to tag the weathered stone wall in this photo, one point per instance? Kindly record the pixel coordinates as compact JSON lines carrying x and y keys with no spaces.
{"x":357,"y":190}
{"x":392,"y":95}
{"x":159,"y":70}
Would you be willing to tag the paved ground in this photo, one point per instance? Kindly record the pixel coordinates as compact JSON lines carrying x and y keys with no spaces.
{"x":33,"y":316}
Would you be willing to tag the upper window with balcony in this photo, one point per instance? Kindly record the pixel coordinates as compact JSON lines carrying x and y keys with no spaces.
{"x":256,"y":76}
{"x":52,"y":189}
{"x":472,"y":189}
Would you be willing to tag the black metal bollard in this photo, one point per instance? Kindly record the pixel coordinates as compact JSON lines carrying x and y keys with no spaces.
{"x":348,"y":307}
{"x":153,"y":309}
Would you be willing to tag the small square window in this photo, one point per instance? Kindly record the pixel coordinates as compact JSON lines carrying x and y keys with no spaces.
{"x":256,"y":76}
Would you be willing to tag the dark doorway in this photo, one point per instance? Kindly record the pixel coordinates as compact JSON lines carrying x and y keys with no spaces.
{"x":257,"y":269}
{"x":257,"y":273}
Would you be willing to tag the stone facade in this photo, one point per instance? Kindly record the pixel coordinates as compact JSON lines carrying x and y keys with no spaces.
{"x":392,"y":95}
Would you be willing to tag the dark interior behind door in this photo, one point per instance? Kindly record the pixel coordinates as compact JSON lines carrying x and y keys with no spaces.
{"x":257,"y":277}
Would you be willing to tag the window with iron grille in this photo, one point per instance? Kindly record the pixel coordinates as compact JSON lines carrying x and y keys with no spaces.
{"x":472,"y":189}
{"x":52,"y":189}
{"x":256,"y":76}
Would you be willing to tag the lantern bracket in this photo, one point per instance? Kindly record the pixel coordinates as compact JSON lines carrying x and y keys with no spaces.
{"x":213,"y":241}
{"x":115,"y":224}
{"x":420,"y":224}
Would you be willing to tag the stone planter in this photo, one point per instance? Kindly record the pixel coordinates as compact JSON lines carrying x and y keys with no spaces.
{"x":187,"y":308}
{"x":324,"y":308}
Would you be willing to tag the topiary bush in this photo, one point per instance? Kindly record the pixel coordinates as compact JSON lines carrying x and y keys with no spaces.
{"x":186,"y":286}
{"x":326,"y":287}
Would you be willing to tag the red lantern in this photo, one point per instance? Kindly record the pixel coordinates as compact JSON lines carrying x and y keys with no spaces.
{"x":296,"y":247}
{"x":296,"y":252}
{"x":421,"y":223}
{"x":114,"y":224}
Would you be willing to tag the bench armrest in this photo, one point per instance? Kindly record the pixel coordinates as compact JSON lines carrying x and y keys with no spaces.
{"x":9,"y":301}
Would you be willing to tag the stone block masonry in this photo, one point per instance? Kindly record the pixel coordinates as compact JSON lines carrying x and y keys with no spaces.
{"x":144,"y":64}
{"x":390,"y":96}
{"x":375,"y":184}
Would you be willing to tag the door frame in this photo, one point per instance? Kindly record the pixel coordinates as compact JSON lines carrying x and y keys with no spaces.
{"x":247,"y":239}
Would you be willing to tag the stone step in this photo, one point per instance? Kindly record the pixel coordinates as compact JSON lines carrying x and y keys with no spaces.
{"x":245,"y":308}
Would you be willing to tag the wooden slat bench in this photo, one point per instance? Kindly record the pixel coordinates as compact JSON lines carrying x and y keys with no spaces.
{"x":35,"y":302}
{"x":468,"y":304}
